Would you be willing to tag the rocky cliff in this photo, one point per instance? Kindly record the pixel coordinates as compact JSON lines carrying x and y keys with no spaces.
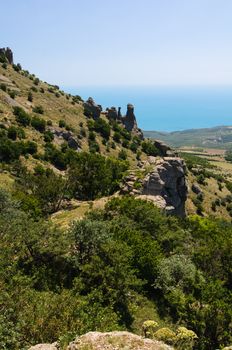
{"x":162,"y":181}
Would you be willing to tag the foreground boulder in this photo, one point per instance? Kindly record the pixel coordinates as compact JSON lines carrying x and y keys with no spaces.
{"x":108,"y":341}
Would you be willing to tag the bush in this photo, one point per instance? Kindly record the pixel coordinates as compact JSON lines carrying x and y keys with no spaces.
{"x":48,"y":136}
{"x":12,"y":133}
{"x":102,"y":127}
{"x":30,"y":96}
{"x":149,"y":148}
{"x":22,"y":117}
{"x":3,"y":87}
{"x":38,"y":124}
{"x":62,"y":123}
{"x":12,"y":93}
{"x":38,"y":109}
{"x":122,"y":155}
{"x":36,"y":81}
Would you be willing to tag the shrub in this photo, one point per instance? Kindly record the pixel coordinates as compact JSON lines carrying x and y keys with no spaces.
{"x":30,"y":96}
{"x":149,"y":148}
{"x":3,"y":87}
{"x":102,"y":127}
{"x":38,"y":124}
{"x":62,"y":123}
{"x":12,"y":133}
{"x":92,"y":136}
{"x":38,"y":109}
{"x":36,"y":81}
{"x":22,"y":117}
{"x":48,"y":136}
{"x":33,"y":88}
{"x":12,"y":93}
{"x":122,"y":155}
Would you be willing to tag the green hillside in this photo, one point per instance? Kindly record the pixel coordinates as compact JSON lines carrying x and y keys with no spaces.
{"x":78,"y":254}
{"x":216,"y":137}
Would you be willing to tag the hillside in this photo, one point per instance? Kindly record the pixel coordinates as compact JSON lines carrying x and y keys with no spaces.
{"x":216,"y":137}
{"x":96,"y":236}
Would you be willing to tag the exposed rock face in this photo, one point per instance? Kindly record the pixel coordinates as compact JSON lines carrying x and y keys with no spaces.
{"x":7,"y":54}
{"x":165,"y":184}
{"x":91,"y":109}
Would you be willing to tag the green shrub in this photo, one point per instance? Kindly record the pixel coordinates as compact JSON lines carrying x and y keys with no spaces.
{"x":22,"y":117}
{"x":38,"y":124}
{"x":38,"y":109}
{"x":30,"y":96}
{"x":149,"y":148}
{"x":12,"y":133}
{"x":62,"y":123}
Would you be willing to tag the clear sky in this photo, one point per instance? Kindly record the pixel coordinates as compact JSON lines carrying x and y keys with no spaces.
{"x":121,"y":42}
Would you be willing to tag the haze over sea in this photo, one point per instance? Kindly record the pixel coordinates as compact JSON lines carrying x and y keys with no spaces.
{"x":167,"y":108}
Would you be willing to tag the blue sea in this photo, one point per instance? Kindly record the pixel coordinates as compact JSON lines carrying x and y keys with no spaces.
{"x":167,"y":108}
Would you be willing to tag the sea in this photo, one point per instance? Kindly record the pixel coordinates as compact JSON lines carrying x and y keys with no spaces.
{"x":166,"y":108}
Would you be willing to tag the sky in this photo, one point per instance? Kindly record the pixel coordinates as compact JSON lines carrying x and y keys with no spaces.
{"x":121,"y":42}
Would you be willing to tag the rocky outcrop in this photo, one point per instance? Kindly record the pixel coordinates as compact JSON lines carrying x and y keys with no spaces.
{"x":6,"y":55}
{"x":163,"y":148}
{"x":129,"y":121}
{"x":91,"y":109}
{"x":110,"y":341}
{"x":68,"y":136}
{"x":163,"y":182}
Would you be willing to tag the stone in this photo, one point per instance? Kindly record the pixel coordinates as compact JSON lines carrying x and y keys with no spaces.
{"x":129,"y":121}
{"x":196,"y":188}
{"x":44,"y":347}
{"x":91,"y":109}
{"x":73,"y":143}
{"x":116,"y":340}
{"x":162,"y":147}
{"x":6,"y":54}
{"x":112,"y":113}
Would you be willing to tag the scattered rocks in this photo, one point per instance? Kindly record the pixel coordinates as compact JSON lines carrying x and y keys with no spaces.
{"x":91,"y":109}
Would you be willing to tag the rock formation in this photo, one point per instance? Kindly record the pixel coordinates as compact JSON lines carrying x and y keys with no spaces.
{"x":164,"y":149}
{"x":91,"y":109}
{"x":164,"y":184}
{"x":6,"y":55}
{"x":68,"y":136}
{"x":128,"y":121}
{"x":109,"y":341}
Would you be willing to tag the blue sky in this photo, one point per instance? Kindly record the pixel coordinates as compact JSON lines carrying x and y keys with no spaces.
{"x":121,"y":42}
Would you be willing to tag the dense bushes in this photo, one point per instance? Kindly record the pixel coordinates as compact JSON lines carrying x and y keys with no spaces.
{"x":22,"y":117}
{"x":93,"y":175}
{"x":99,"y":274}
